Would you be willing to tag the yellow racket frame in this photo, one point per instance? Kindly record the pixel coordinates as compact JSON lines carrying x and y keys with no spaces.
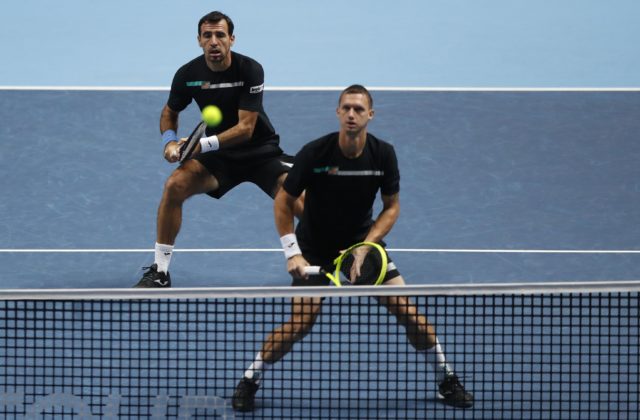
{"x":335,"y":277}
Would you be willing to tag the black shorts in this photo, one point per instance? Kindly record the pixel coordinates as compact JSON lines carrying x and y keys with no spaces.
{"x":322,"y":280}
{"x":262,"y":171}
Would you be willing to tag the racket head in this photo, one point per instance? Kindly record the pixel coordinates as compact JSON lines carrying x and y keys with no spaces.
{"x":373,"y":268}
{"x":187,"y":148}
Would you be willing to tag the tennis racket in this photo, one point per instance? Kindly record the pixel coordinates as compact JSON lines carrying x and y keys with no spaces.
{"x":187,"y":148}
{"x":369,"y":257}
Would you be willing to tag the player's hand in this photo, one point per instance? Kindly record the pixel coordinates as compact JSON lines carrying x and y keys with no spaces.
{"x":358,"y":259}
{"x":196,"y":150}
{"x":172,"y":150}
{"x":296,"y":265}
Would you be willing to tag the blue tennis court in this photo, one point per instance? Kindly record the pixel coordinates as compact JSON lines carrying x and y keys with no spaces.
{"x":498,"y":187}
{"x":519,"y":232}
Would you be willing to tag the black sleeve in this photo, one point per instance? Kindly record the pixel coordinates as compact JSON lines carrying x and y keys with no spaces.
{"x":179,"y":96}
{"x":298,"y":177}
{"x":251,"y":94}
{"x":391,"y":180}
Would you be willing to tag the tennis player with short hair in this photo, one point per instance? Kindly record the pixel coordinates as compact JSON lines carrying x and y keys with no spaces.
{"x":341,"y":174}
{"x":244,"y":147}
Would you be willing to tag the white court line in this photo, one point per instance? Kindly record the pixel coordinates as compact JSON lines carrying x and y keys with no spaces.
{"x":416,"y":250}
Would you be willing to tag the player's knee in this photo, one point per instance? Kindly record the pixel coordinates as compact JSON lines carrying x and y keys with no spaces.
{"x":177,"y":187}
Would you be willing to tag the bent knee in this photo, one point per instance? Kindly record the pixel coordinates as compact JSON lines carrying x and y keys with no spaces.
{"x":189,"y":180}
{"x":177,"y":186}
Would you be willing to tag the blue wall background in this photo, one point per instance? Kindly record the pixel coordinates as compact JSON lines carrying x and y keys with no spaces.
{"x":443,"y":43}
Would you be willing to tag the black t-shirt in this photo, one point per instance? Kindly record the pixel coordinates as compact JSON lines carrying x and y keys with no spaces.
{"x":340,"y":192}
{"x":239,"y":87}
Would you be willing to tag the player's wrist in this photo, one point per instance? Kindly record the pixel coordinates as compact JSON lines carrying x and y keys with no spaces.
{"x":209,"y":144}
{"x":290,"y":245}
{"x":169,"y":136}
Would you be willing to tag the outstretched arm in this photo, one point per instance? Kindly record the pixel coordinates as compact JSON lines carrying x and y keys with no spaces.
{"x":382,"y":225}
{"x":241,"y":132}
{"x":283,"y":210}
{"x":169,"y":121}
{"x":238,"y":134}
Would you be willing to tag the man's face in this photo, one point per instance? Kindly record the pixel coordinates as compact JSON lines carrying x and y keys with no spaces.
{"x":354,"y":112}
{"x":215,"y":41}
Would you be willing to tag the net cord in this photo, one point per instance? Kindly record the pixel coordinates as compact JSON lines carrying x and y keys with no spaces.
{"x":288,"y":291}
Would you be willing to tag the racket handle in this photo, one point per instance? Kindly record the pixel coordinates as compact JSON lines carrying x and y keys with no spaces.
{"x":313,"y":269}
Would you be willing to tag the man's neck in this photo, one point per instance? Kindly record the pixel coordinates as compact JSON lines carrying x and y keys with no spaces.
{"x":352,"y":145}
{"x":220,"y":66}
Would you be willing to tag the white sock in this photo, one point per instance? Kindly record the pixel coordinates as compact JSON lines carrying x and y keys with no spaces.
{"x":435,"y":357}
{"x":163,"y":257}
{"x":257,"y":369}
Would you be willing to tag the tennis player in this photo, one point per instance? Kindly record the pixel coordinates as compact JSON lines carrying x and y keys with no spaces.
{"x":244,"y":147}
{"x":342,"y":173}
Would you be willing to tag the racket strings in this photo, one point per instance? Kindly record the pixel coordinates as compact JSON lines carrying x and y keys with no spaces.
{"x":369,"y":271}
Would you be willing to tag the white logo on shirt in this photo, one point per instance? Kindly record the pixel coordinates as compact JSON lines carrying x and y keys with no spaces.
{"x":256,"y":89}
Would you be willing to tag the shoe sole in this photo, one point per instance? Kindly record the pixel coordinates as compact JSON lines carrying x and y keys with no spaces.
{"x":465,"y":404}
{"x":154,"y":286}
{"x":243,"y":409}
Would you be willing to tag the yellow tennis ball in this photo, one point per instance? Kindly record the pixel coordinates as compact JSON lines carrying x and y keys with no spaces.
{"x":211,"y":115}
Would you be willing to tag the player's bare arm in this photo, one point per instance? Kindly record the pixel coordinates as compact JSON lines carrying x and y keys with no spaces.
{"x":169,"y":121}
{"x":386,"y":219}
{"x":283,"y":210}
{"x":241,"y":132}
{"x":238,"y":134}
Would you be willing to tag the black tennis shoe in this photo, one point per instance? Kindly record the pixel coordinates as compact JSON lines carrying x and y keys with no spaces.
{"x":244,"y":397}
{"x":452,"y":393}
{"x":154,"y":278}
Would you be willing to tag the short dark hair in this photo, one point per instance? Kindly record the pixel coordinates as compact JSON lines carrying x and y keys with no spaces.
{"x":357,"y":89}
{"x":215,"y":17}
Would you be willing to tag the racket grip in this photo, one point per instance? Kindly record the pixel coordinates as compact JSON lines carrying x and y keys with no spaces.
{"x":313,"y":269}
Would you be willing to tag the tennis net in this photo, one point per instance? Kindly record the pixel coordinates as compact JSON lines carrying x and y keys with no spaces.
{"x":524,"y":351}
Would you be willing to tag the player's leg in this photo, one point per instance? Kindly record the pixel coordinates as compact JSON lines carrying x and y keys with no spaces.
{"x":189,"y":179}
{"x":304,"y":312}
{"x":420,"y":333}
{"x":270,"y":174}
{"x":422,"y":337}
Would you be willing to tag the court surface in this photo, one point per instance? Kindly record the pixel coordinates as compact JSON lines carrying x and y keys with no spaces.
{"x":497,"y":186}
